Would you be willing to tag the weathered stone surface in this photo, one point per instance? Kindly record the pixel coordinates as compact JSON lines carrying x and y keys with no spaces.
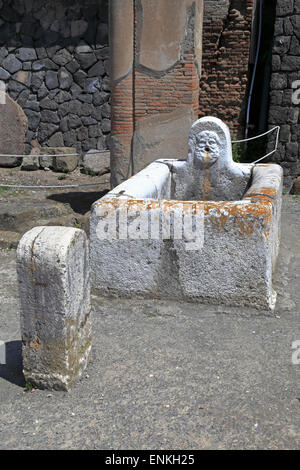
{"x":296,"y":187}
{"x":162,"y":33}
{"x":26,"y":53}
{"x":63,"y":164}
{"x":11,"y":64}
{"x":121,"y":38}
{"x":65,"y":79}
{"x":51,"y":80}
{"x":210,"y":173}
{"x":229,"y":255}
{"x":62,"y":57}
{"x":4,"y":75}
{"x":13,"y":128}
{"x":56,"y":140}
{"x":54,"y":286}
{"x":31,"y":162}
{"x":96,"y":162}
{"x":161,"y":136}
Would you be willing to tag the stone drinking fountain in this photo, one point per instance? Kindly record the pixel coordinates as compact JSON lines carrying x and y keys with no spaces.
{"x":203,"y":229}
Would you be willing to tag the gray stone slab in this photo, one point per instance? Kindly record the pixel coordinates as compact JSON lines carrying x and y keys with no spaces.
{"x":54,"y":287}
{"x":13,"y":128}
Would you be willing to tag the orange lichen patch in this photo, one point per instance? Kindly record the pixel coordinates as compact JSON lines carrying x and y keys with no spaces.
{"x":241,"y":217}
{"x":206,"y":188}
{"x":224,"y":215}
{"x":262,"y":193}
{"x":35,"y":343}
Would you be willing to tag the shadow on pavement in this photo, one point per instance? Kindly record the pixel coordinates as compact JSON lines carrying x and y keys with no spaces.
{"x":12,"y":370}
{"x":80,"y":202}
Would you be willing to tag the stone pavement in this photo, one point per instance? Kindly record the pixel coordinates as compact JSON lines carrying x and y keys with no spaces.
{"x":167,"y":375}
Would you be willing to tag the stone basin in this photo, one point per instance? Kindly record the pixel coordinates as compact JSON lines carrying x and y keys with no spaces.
{"x":203,"y":229}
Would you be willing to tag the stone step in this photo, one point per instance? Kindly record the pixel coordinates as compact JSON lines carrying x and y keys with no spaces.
{"x":9,"y":239}
{"x":21,"y":217}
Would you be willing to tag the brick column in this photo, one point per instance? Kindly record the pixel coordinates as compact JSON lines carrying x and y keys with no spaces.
{"x":121,"y":38}
{"x":156,"y":64}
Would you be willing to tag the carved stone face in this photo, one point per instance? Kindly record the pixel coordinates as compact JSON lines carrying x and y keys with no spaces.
{"x":207,"y":148}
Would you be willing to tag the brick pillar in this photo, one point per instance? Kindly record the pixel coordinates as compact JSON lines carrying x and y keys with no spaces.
{"x":121,"y":38}
{"x":156,"y":52}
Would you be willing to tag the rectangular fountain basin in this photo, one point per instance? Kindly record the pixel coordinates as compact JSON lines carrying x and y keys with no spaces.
{"x":147,"y":240}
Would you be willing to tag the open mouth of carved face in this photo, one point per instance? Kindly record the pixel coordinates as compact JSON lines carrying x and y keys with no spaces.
{"x":207,"y":149}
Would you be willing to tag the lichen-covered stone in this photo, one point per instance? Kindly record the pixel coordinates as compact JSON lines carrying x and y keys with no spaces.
{"x":140,"y":227}
{"x":13,"y":128}
{"x":54,"y":287}
{"x":61,"y":163}
{"x":96,"y":162}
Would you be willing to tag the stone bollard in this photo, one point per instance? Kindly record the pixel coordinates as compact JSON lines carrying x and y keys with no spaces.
{"x":54,"y":286}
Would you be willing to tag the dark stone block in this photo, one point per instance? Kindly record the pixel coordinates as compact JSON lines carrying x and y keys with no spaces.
{"x":73,"y":66}
{"x":100,"y":97}
{"x":37,"y":80}
{"x":74,"y":121}
{"x":85,"y":98}
{"x":85,"y":60}
{"x":82,"y":133}
{"x":294,"y":46}
{"x":11,"y":64}
{"x":26,"y":53}
{"x":276,"y":97}
{"x":290,"y":63}
{"x":278,"y":115}
{"x":88,"y":120}
{"x":70,"y":138}
{"x":97,"y":69}
{"x":79,"y":77}
{"x":284,"y":7}
{"x":33,"y":119}
{"x":285,"y":133}
{"x":47,"y":103}
{"x":106,"y":110}
{"x":50,"y":117}
{"x":281,"y":44}
{"x":62,"y":96}
{"x":65,"y":79}
{"x":92,"y":85}
{"x":278,"y":81}
{"x":51,"y":80}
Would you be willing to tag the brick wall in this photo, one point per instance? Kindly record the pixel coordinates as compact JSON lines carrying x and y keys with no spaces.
{"x":226,"y":47}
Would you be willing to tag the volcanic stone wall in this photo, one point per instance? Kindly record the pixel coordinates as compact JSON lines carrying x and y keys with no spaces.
{"x":54,"y":61}
{"x":285,"y":88}
{"x":227,"y":28}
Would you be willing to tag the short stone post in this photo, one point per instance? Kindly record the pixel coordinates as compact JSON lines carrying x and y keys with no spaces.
{"x":54,"y":286}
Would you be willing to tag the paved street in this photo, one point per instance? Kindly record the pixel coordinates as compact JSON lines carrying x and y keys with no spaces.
{"x":167,"y":375}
